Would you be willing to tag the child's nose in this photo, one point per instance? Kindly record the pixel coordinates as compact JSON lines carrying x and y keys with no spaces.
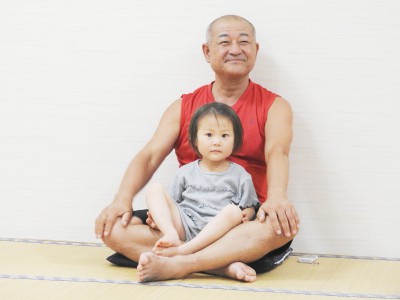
{"x":216,"y":141}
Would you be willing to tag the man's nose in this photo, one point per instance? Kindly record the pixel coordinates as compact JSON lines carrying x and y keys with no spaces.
{"x":235,"y":48}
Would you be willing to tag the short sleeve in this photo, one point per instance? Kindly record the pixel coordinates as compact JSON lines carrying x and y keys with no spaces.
{"x":177,"y":186}
{"x":248,"y":195}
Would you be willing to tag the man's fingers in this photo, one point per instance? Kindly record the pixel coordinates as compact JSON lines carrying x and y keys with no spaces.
{"x":296,"y":217}
{"x":275,"y":222}
{"x":99,"y":226}
{"x":126,"y":217}
{"x":261,"y":215}
{"x":289,"y":221}
{"x":109,"y":225}
{"x":106,"y":220}
{"x":284,"y":219}
{"x":272,"y":214}
{"x":292,"y":221}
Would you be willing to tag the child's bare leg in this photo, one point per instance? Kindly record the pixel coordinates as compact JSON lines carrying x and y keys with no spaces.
{"x":229,"y":217}
{"x":166,"y":216}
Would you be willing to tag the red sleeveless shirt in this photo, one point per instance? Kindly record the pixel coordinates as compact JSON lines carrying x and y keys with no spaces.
{"x":252,"y":108}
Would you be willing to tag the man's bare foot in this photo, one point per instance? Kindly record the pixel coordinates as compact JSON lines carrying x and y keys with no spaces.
{"x":238,"y":271}
{"x":155,"y":268}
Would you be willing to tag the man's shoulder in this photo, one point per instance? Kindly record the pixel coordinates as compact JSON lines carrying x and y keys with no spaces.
{"x":192,"y":101}
{"x":199,"y":93}
{"x":262,"y":89}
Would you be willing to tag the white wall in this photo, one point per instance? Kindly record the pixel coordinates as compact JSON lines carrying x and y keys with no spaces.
{"x":84,"y":83}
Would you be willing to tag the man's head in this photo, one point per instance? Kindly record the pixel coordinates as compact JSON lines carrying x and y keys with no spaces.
{"x":231,"y":47}
{"x":226,"y":18}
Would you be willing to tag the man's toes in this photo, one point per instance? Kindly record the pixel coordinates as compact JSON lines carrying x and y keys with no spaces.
{"x":240,"y":275}
{"x":144,"y":258}
{"x":249,"y":277}
{"x":143,"y":278}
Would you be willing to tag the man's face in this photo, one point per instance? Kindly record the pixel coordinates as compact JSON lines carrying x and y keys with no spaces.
{"x":232,"y":49}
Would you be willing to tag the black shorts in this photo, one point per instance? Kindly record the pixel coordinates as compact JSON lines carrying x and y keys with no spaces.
{"x":267,"y":263}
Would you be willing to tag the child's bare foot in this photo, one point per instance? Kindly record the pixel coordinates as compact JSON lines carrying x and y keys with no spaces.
{"x":171,"y":251}
{"x":238,"y":271}
{"x":166,"y":242}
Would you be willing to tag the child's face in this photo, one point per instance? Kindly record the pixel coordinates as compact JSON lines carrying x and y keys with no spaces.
{"x":215,"y":137}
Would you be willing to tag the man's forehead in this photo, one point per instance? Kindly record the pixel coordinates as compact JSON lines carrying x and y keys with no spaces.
{"x":234,"y":27}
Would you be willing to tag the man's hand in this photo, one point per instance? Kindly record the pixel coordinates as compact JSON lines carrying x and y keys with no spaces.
{"x":282,"y":214}
{"x":106,"y":220}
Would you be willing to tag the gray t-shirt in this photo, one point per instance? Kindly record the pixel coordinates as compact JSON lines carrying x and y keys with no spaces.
{"x":200,"y":195}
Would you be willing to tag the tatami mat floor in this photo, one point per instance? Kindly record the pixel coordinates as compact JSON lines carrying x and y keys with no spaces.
{"x":31,"y":269}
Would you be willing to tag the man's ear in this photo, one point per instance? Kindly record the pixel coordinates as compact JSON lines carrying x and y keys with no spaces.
{"x":206,"y":52}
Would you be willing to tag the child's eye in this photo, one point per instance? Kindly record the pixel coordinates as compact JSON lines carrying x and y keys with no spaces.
{"x":225,"y":135}
{"x":208,"y":134}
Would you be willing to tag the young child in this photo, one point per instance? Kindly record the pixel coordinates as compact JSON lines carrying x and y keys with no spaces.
{"x":209,"y":196}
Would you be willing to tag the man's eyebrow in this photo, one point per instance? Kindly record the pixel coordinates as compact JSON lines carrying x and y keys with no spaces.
{"x":222,"y":35}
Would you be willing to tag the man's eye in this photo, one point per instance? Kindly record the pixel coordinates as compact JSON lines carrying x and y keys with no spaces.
{"x":244,"y":42}
{"x":223,"y":42}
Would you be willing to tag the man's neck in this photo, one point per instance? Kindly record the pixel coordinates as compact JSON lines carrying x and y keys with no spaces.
{"x":229,"y":92}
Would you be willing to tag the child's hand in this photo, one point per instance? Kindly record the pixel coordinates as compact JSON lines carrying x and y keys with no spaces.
{"x":150,"y":221}
{"x":245,"y":218}
{"x":248,"y":214}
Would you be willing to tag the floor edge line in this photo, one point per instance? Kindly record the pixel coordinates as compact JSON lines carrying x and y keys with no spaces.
{"x":207,"y":286}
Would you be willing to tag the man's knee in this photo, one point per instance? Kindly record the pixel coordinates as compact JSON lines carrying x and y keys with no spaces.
{"x":269,"y":238}
{"x":114,"y":239}
{"x":132,"y":238}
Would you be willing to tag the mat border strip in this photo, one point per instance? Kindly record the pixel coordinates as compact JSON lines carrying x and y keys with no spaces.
{"x":196,"y":286}
{"x":51,"y":242}
{"x":348,"y":256}
{"x":83,"y":244}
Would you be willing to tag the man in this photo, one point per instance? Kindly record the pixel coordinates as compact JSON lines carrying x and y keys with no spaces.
{"x":231,"y":49}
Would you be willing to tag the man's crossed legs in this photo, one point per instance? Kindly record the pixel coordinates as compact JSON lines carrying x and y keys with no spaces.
{"x":247,"y":242}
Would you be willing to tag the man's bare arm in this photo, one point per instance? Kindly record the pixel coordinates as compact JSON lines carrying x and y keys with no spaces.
{"x":279,"y":133}
{"x":140,"y":170}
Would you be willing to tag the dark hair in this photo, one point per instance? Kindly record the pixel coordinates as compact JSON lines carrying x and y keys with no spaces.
{"x":217,"y":109}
